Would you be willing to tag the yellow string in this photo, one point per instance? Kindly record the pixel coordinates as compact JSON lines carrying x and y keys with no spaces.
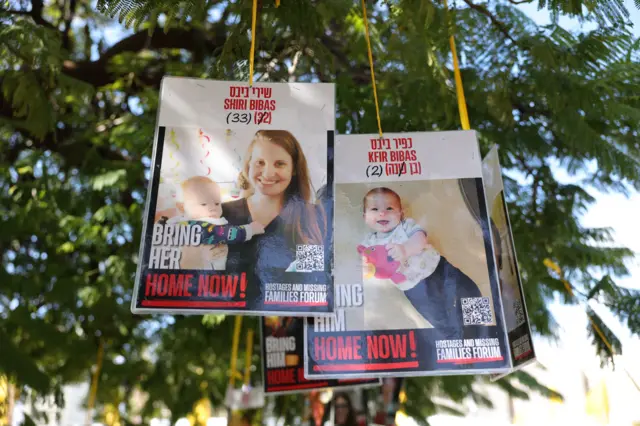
{"x":373,"y":76}
{"x":277,"y":3}
{"x":94,"y":382}
{"x":254,"y":17}
{"x":247,"y":360}
{"x":556,"y":268}
{"x":462,"y":103}
{"x":234,"y":350}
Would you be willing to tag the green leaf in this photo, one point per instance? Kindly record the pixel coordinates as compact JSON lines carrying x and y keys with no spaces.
{"x":28,"y":421}
{"x":606,"y":342}
{"x":605,"y":285}
{"x":67,"y":247}
{"x":108,"y":179}
{"x":19,"y":364}
{"x":530,"y":382}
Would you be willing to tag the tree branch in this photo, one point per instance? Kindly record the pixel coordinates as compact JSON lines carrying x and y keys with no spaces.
{"x":69,"y":14}
{"x":97,"y":74}
{"x":360,"y":73}
{"x":534,"y":195}
{"x":73,"y":151}
{"x":497,"y":23}
{"x":35,"y":13}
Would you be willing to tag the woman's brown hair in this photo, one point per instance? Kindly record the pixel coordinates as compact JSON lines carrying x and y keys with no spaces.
{"x":351,"y":415}
{"x":302,"y":218}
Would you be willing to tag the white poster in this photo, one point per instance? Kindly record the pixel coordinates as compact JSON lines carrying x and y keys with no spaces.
{"x":237,"y":218}
{"x":415,"y":277}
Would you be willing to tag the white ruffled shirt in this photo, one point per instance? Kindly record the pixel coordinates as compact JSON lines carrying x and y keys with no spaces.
{"x":415,"y":268}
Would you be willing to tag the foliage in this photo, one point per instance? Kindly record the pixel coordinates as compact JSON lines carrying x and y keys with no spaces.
{"x":77,"y":114}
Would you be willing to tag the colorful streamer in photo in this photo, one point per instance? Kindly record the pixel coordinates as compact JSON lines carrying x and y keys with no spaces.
{"x":235,"y":191}
{"x":205,"y":149}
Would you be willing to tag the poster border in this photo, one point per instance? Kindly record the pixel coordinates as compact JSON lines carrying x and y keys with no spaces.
{"x":155,"y":173}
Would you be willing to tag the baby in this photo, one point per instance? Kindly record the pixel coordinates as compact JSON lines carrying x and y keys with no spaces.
{"x":433,"y":285}
{"x":202,"y":205}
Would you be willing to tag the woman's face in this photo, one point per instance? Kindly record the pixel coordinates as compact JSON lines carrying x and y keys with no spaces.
{"x":342,"y":411}
{"x":270,"y":168}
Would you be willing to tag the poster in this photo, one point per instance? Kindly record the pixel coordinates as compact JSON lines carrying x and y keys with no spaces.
{"x":515,"y":309}
{"x":236,"y":216}
{"x":283,"y":359}
{"x":416,"y":289}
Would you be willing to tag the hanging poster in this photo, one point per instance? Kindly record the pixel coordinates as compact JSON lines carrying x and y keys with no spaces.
{"x":236,"y":219}
{"x":515,"y":309}
{"x":415,"y":277}
{"x":283,"y":360}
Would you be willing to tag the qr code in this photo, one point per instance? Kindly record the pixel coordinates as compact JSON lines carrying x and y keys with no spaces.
{"x":309,"y":258}
{"x":519,"y":312}
{"x":476,"y":311}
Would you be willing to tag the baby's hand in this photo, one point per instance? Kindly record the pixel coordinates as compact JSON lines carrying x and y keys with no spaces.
{"x":257,"y":228}
{"x":218,"y":251}
{"x":397,"y":252}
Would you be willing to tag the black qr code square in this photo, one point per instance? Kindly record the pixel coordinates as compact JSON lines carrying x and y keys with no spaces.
{"x":518,"y":312}
{"x":309,"y":258}
{"x":476,"y":311}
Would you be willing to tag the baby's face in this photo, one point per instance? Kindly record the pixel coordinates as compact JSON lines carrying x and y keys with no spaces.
{"x":202,"y":200}
{"x":382,"y":213}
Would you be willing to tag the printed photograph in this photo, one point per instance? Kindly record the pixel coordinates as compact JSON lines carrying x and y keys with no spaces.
{"x":416,"y":287}
{"x":420,"y":252}
{"x":248,"y":190}
{"x":255,"y":199}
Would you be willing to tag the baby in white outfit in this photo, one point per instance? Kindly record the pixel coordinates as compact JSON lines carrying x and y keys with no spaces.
{"x":432,"y":285}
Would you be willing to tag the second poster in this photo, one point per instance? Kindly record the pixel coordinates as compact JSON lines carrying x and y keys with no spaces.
{"x":283,"y":360}
{"x":416,"y":289}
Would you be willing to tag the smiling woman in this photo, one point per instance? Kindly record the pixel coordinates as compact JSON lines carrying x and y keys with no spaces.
{"x":276,"y":179}
{"x":278,"y":194}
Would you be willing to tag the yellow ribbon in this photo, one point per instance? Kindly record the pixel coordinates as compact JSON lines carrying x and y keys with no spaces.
{"x":247,"y":360}
{"x":254,"y":17}
{"x":462,"y":103}
{"x":94,"y":383}
{"x":373,"y":76}
{"x":234,"y":350}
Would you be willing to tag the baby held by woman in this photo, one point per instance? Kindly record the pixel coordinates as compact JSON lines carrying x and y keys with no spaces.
{"x":433,"y":285}
{"x":202,"y":205}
